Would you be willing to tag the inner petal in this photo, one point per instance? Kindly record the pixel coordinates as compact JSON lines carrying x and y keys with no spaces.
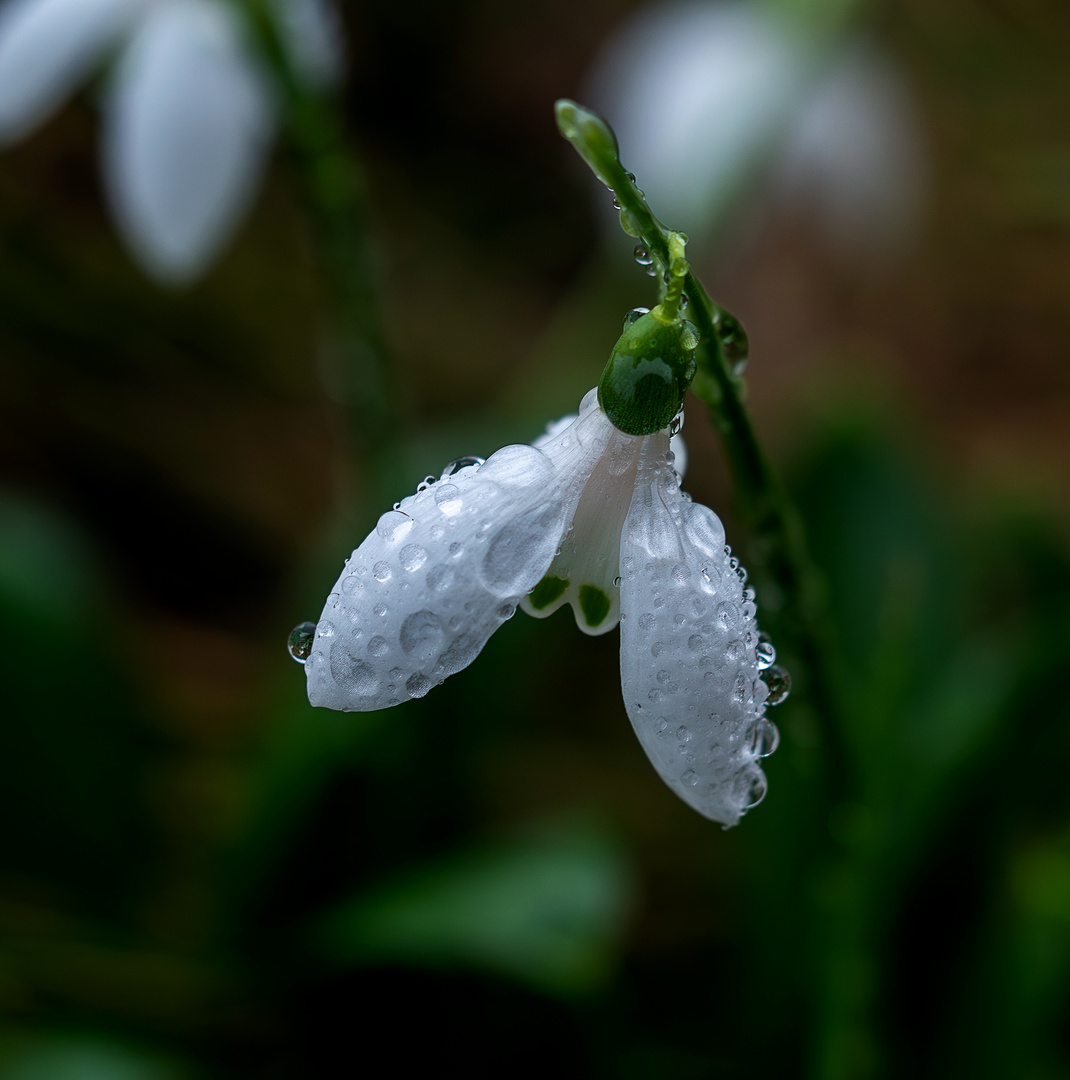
{"x":585,"y":572}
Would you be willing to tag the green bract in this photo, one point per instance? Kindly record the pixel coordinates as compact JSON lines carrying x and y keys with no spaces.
{"x":651,"y":366}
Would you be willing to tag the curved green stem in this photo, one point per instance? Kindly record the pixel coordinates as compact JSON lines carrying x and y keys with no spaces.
{"x":765,"y":507}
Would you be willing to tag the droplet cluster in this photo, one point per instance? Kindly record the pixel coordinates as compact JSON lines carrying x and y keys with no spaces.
{"x":442,"y":570}
{"x":697,"y":701}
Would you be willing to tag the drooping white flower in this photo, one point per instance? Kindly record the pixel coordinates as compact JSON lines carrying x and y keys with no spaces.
{"x":587,"y":516}
{"x":188,"y":115}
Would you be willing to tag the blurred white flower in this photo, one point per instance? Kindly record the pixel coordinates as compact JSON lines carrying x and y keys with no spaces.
{"x":707,"y":98}
{"x":188,"y":114}
{"x":587,"y":516}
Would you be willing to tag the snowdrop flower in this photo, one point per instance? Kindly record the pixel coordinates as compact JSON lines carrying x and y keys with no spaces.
{"x":592,"y":517}
{"x":709,"y":95}
{"x":188,"y":113}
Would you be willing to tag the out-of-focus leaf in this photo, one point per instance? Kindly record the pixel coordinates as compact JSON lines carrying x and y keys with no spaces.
{"x":69,"y":748}
{"x":85,"y":1057}
{"x":546,"y":909}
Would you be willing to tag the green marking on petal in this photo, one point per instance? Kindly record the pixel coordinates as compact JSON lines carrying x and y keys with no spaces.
{"x":547,"y":591}
{"x":594,"y":603}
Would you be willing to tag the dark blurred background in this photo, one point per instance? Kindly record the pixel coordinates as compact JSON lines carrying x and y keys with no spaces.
{"x":201,"y":876}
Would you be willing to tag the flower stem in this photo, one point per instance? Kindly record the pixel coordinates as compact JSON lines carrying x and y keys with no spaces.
{"x":765,"y":507}
{"x":333,"y":188}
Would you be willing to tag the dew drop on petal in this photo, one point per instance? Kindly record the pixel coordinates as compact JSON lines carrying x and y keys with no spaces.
{"x":462,"y":463}
{"x":412,"y":557}
{"x":448,"y":499}
{"x":299,"y":643}
{"x":418,"y":684}
{"x":756,"y":789}
{"x":767,"y":738}
{"x":393,"y":525}
{"x":779,"y":683}
{"x":381,"y":571}
{"x":765,"y":652}
{"x":642,"y":256}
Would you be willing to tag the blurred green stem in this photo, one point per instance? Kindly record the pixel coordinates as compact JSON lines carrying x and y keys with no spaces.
{"x":333,"y":189}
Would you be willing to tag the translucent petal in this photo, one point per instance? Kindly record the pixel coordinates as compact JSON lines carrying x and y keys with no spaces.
{"x":188,"y":125}
{"x":419,"y":598}
{"x":46,"y":48}
{"x":689,"y":673}
{"x":585,"y":572}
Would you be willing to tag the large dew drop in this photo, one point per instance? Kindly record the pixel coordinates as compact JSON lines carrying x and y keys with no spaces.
{"x":299,"y":643}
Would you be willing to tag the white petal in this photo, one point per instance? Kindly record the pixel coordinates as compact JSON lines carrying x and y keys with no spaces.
{"x":586,"y":571}
{"x":689,"y":673}
{"x":419,"y":598}
{"x":311,"y":31}
{"x":189,"y":120}
{"x":46,"y":48}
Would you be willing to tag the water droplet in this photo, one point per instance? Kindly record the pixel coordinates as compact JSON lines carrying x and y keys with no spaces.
{"x":412,"y":557}
{"x":683,"y":734}
{"x":765,"y":652}
{"x":462,"y":463}
{"x":421,"y":636}
{"x":635,"y":315}
{"x":767,"y":738}
{"x":735,"y":651}
{"x":756,"y":789}
{"x":647,"y":620}
{"x":616,"y":582}
{"x":456,"y":549}
{"x":393,"y":525}
{"x":642,"y":256}
{"x":681,"y":573}
{"x":696,"y":643}
{"x":689,"y":336}
{"x":690,"y":777}
{"x":417,"y":684}
{"x":677,"y":424}
{"x":616,"y":204}
{"x":734,"y":344}
{"x":381,"y":571}
{"x":377,"y":646}
{"x":631,"y":176}
{"x":779,"y":683}
{"x":683,"y":302}
{"x":299,"y":643}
